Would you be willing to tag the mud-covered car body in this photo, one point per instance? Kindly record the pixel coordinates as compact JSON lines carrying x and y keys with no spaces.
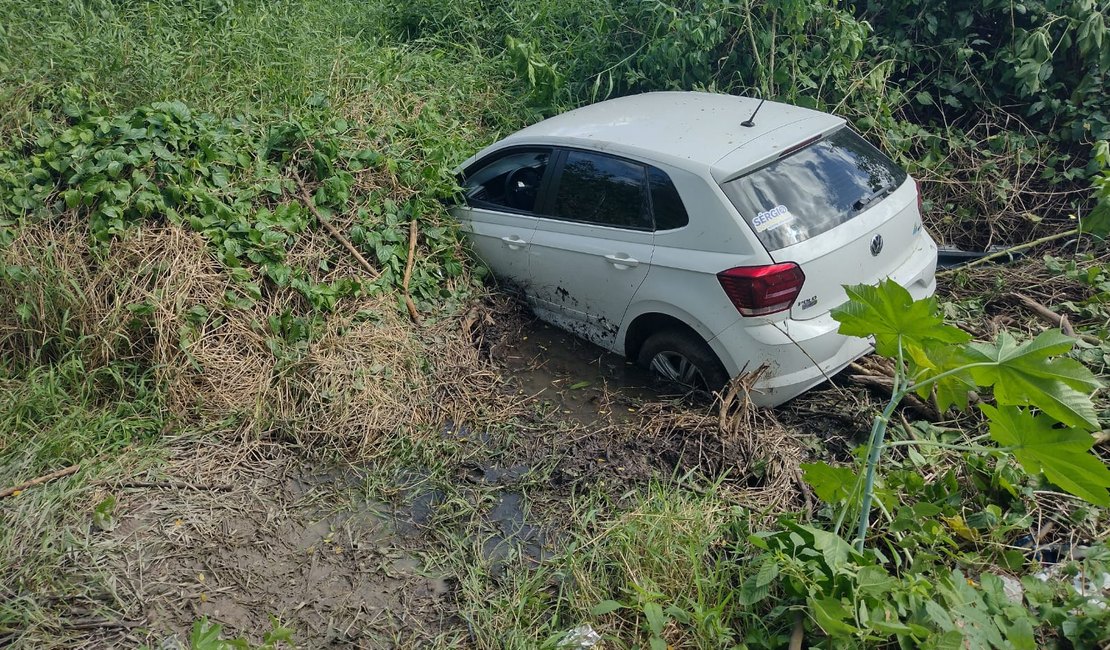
{"x":669,"y":228}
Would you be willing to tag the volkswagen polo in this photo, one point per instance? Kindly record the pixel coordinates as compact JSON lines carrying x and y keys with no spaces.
{"x":702,"y":235}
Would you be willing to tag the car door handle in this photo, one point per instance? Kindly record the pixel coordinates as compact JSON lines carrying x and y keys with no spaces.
{"x":622,"y":261}
{"x":514,"y":242}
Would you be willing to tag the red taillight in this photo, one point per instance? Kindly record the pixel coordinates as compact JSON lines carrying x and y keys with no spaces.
{"x":759,"y":290}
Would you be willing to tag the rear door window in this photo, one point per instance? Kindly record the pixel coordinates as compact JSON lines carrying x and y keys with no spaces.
{"x":603,"y":190}
{"x":510,"y":181}
{"x":814,"y":189}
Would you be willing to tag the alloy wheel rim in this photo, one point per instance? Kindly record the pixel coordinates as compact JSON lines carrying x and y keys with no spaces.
{"x":676,"y":368}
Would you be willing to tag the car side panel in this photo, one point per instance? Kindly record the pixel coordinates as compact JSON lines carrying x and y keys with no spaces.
{"x":500,"y":239}
{"x":586,"y":275}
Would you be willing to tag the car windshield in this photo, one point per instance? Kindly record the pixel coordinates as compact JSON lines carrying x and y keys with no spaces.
{"x":814,"y":189}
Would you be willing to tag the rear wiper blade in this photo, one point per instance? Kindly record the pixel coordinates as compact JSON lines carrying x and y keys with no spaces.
{"x":871,"y":198}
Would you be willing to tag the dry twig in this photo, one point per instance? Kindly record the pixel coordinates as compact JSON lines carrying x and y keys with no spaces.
{"x":165,"y":485}
{"x":408,"y":273}
{"x":7,"y":492}
{"x":1052,"y":318}
{"x":863,"y":377}
{"x":1044,"y":313}
{"x":338,"y":236}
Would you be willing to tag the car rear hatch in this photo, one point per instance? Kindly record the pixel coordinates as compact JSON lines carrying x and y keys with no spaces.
{"x":839,"y":209}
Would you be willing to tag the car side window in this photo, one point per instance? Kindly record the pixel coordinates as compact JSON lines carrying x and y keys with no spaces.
{"x":666,"y":204}
{"x":511,"y":181}
{"x":603,"y":190}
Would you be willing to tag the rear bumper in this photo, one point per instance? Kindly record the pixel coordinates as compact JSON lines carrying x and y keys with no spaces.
{"x":802,"y":353}
{"x":798,"y":355}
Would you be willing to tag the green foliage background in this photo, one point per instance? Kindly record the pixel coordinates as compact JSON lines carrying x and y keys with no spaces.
{"x":206,"y":113}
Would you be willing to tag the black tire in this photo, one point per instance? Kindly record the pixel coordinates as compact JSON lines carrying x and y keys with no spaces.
{"x":662,"y":355}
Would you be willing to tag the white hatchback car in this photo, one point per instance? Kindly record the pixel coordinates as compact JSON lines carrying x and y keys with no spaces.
{"x":684,"y":232}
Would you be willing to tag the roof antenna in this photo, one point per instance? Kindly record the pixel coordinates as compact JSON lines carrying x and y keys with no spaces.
{"x":750,"y":122}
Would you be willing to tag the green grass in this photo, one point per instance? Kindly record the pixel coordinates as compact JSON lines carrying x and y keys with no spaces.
{"x":53,"y":416}
{"x":229,"y":58}
{"x":655,"y":563}
{"x":65,"y":413}
{"x":668,"y":553}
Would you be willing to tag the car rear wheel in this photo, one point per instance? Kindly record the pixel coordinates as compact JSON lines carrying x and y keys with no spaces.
{"x":682,"y":360}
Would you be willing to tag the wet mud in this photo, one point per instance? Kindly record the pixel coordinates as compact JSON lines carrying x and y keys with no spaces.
{"x":287,"y":540}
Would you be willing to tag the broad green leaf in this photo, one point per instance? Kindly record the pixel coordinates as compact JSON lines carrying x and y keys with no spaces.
{"x":939,"y":616}
{"x":605,"y":607}
{"x":751,"y":592}
{"x":831,"y":484}
{"x":890,"y":314}
{"x":205,"y":635}
{"x":1025,"y":374}
{"x":103,"y":514}
{"x":833,"y":548}
{"x":874,"y":580}
{"x":892,"y":626}
{"x":933,"y":360}
{"x":1021,"y":635}
{"x":831,"y":615}
{"x":678,"y":614}
{"x":1061,"y":454}
{"x":655,"y":619}
{"x":1098,"y":221}
{"x":767,"y":572}
{"x":971,"y":615}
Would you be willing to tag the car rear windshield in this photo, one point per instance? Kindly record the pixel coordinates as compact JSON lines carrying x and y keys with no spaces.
{"x":814,"y":189}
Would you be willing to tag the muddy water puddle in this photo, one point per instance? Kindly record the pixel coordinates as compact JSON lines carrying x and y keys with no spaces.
{"x":562,"y":372}
{"x":564,"y":380}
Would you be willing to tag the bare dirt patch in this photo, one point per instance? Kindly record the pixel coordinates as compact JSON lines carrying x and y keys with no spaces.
{"x":264,"y":534}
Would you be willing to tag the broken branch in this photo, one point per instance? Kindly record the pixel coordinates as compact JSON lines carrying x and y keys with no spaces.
{"x":1045,"y":314}
{"x":7,"y":492}
{"x":335,"y":233}
{"x":1052,"y":318}
{"x":886,"y":384}
{"x":408,"y":273}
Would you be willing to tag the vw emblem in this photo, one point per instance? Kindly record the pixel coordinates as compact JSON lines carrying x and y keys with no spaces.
{"x":876,"y":245}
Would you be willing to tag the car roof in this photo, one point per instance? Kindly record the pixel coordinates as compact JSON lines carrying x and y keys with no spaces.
{"x":681,"y":128}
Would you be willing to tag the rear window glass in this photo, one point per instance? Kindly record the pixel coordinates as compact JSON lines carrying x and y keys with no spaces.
{"x":814,"y":189}
{"x":666,"y":204}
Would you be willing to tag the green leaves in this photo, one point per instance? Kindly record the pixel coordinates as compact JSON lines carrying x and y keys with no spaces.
{"x":605,"y":607}
{"x":831,"y":484}
{"x":1022,"y":374}
{"x":104,"y":514}
{"x":890,"y":314}
{"x":932,"y":356}
{"x":1026,"y":374}
{"x":235,"y":182}
{"x":1098,"y":221}
{"x":1061,"y":454}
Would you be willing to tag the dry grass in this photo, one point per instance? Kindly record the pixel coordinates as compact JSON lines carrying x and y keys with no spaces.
{"x":987,"y":187}
{"x":754,"y":455}
{"x":156,"y":296}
